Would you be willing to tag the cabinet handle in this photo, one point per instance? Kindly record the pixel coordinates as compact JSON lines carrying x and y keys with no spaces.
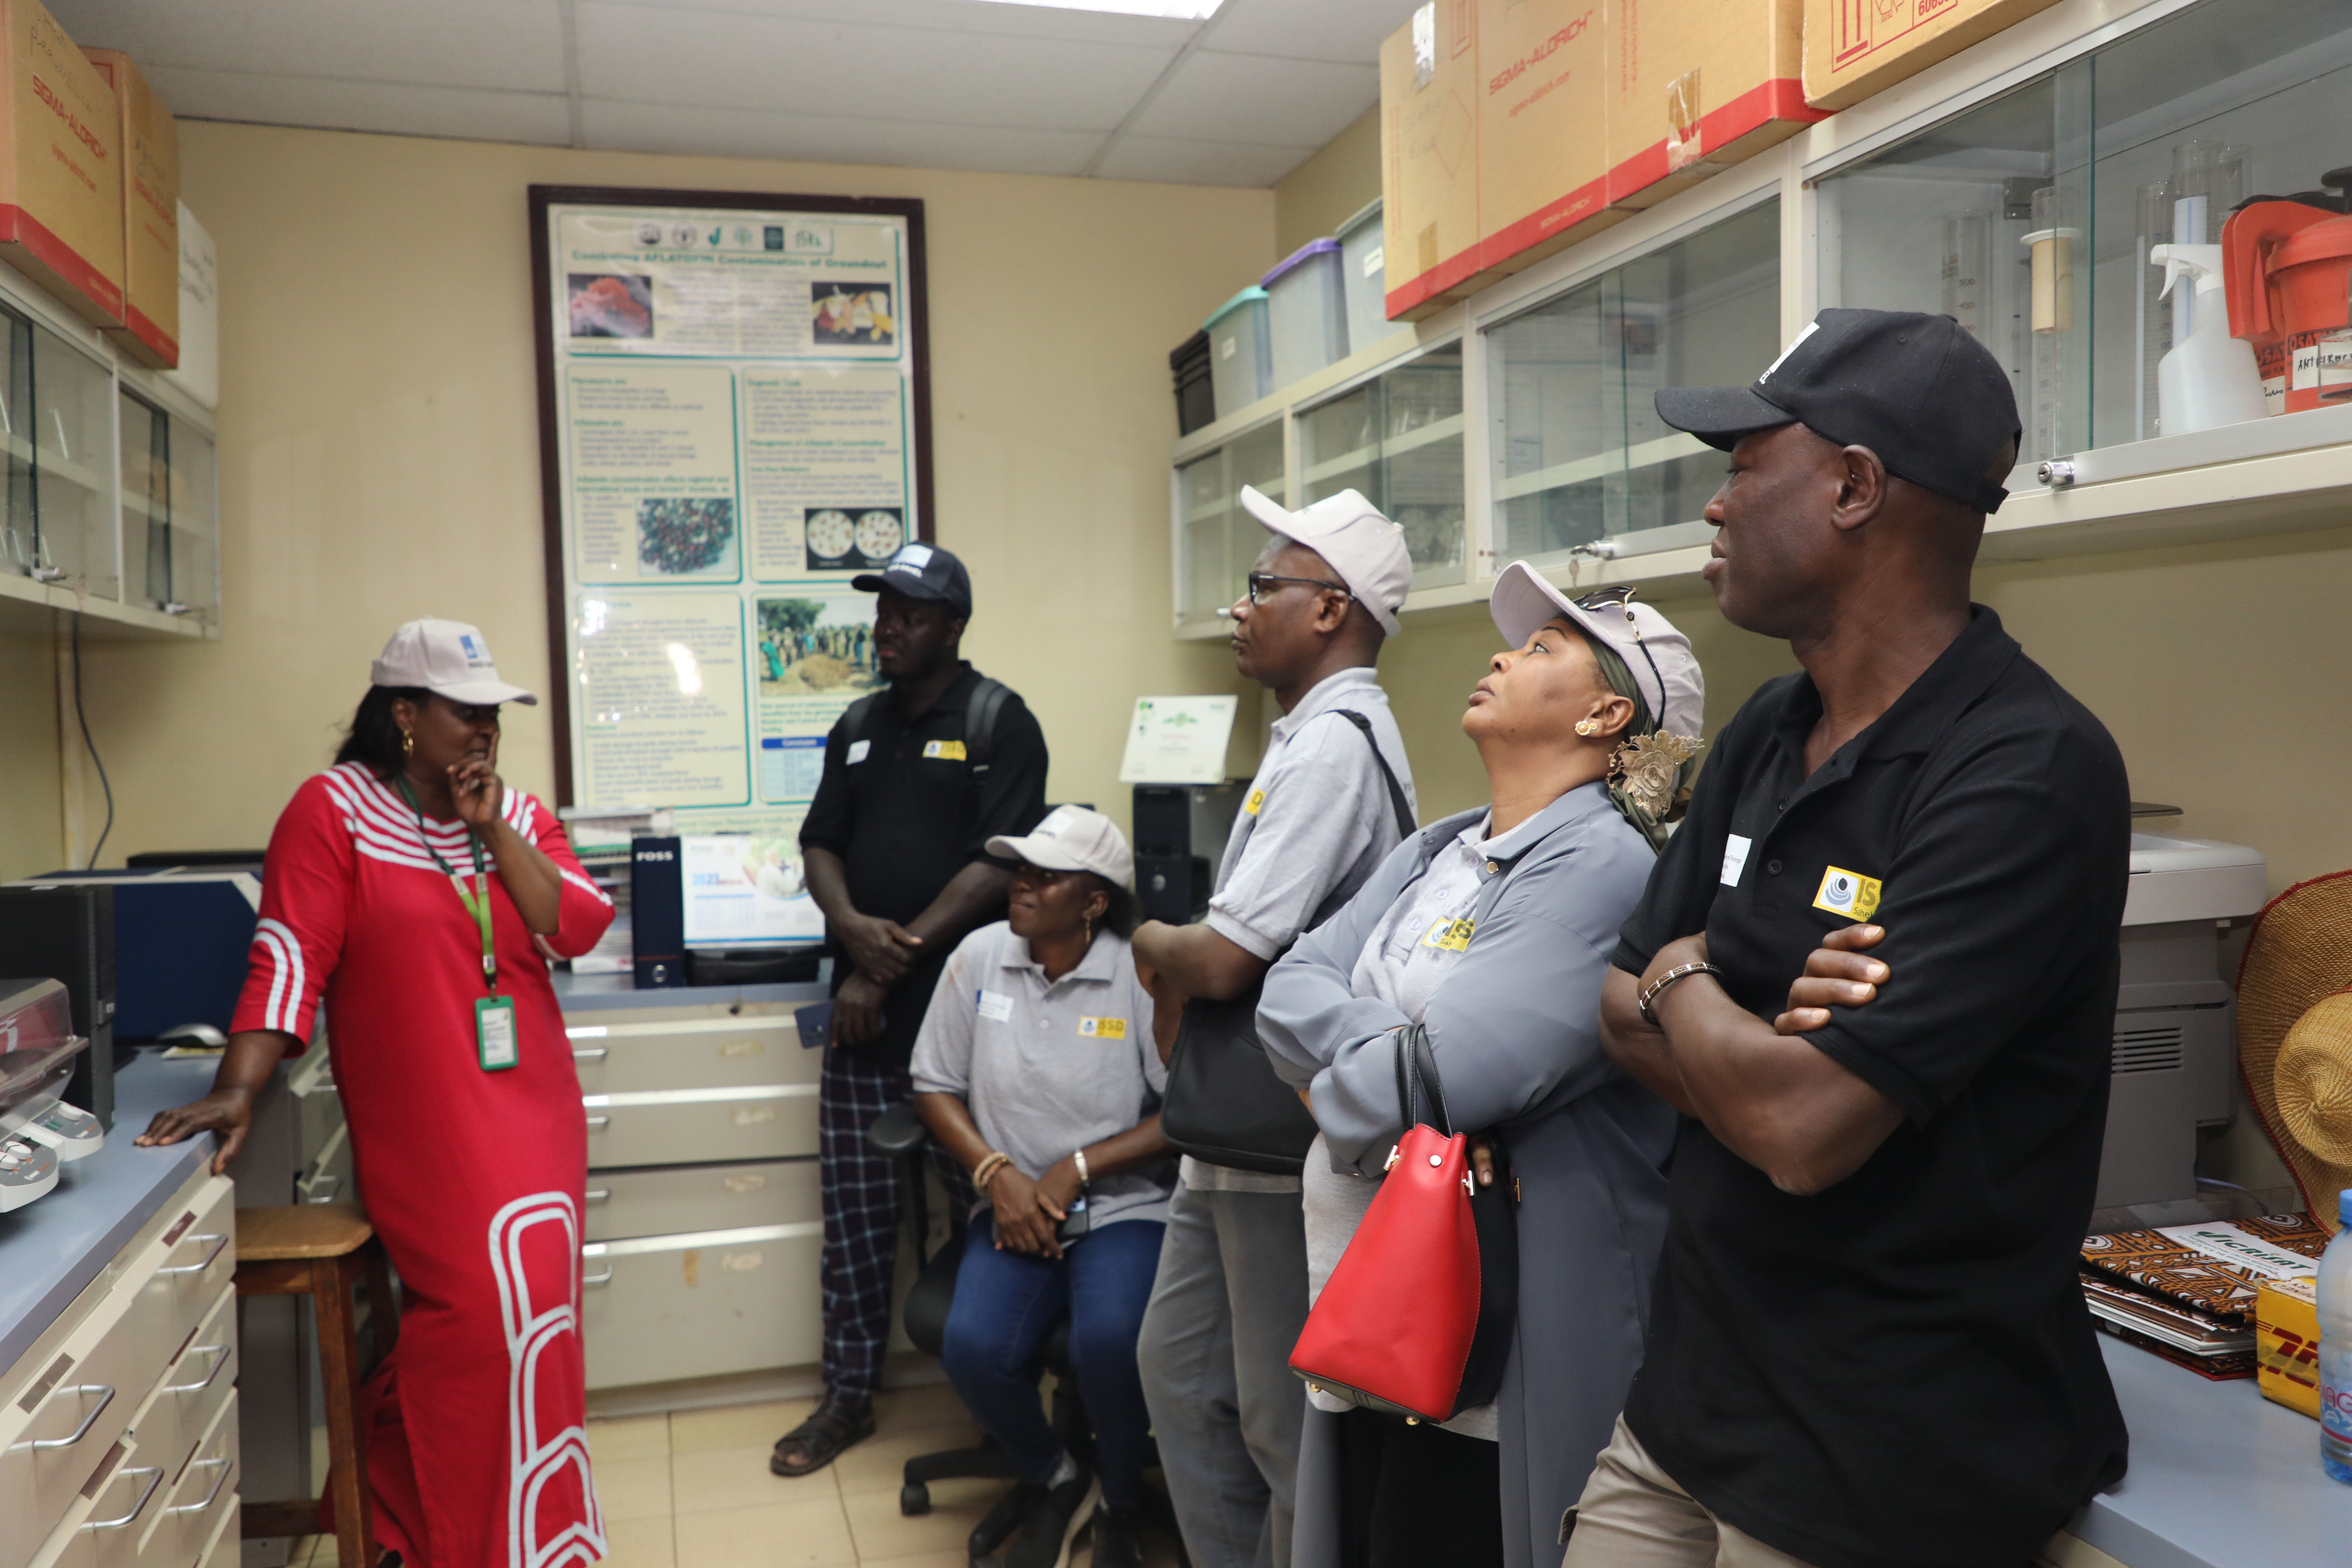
{"x":221,"y":1465}
{"x":324,"y":1189}
{"x":591,"y":1053}
{"x":596,"y":1121}
{"x":218,"y":1242}
{"x":600,"y":1195}
{"x":106,"y":1397}
{"x":155,"y":1474}
{"x":220,"y":1359}
{"x":604,"y":1279}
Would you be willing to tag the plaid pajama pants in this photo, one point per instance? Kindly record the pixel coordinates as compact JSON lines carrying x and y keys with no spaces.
{"x":860,"y":1190}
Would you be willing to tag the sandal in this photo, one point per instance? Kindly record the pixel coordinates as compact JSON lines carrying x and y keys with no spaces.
{"x":819,"y":1440}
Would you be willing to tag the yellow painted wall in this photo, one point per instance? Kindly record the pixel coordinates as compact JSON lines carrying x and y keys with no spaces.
{"x":29,"y":816}
{"x":380,"y":457}
{"x":1318,"y":196}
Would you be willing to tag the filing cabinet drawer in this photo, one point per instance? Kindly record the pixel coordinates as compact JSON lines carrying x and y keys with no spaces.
{"x":698,"y":1126}
{"x":693,"y":1053}
{"x":201,"y":1494}
{"x":328,"y":1178}
{"x":118,"y":1530}
{"x":700,"y":1197}
{"x":659,"y":1308}
{"x":193,"y":1388}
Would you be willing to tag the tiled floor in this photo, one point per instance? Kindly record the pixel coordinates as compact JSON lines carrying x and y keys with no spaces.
{"x":692,"y":1489}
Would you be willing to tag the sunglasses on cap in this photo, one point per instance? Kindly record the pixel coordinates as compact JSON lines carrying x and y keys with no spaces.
{"x":1619,"y":596}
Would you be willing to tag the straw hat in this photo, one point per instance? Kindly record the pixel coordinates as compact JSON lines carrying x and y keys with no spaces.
{"x":2294,"y":1034}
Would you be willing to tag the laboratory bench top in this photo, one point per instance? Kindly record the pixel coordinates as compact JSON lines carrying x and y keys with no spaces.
{"x":54,"y":1247}
{"x":605,"y":993}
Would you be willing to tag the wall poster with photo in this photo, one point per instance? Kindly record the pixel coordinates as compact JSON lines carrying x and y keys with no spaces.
{"x":734,"y":420}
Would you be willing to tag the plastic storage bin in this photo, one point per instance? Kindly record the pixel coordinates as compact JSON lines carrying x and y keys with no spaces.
{"x":1363,"y":272}
{"x":1241,"y":362}
{"x":1307,"y":311}
{"x":1196,"y":397}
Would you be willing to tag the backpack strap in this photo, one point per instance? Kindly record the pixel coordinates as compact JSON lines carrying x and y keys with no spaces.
{"x":1406,"y":827}
{"x":979,"y":716}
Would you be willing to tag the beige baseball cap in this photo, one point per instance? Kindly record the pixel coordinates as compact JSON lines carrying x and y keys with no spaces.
{"x":1072,"y":838}
{"x":448,"y":658}
{"x":1362,"y":547}
{"x":1653,"y":648}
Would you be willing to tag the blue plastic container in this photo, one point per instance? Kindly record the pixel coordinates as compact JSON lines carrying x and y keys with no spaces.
{"x":1241,"y":359}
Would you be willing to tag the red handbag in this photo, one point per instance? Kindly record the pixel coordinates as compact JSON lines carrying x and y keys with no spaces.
{"x":1416,"y":1319}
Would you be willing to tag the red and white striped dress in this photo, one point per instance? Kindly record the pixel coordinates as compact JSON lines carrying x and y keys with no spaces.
{"x":477,"y":1443}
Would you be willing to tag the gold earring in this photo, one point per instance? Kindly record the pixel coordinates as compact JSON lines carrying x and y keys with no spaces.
{"x":407,"y":743}
{"x":1090,"y":930}
{"x":1588,"y":726}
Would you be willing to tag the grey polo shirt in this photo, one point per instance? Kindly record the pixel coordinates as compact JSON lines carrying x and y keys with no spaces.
{"x":1315,"y":824}
{"x":1047,"y":1069}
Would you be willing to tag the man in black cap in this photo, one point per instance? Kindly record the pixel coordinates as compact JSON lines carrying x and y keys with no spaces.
{"x":1876,"y":969}
{"x":917,"y":780}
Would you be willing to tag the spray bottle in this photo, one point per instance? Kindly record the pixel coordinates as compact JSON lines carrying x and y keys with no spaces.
{"x":2210,"y":377}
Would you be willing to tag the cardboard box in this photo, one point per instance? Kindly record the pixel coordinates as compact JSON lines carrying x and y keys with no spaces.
{"x":1429,"y":158}
{"x":1856,"y":48}
{"x":2286,"y":1343}
{"x":1543,"y":148}
{"x":150,"y":332}
{"x":1695,"y":87}
{"x":60,"y":166}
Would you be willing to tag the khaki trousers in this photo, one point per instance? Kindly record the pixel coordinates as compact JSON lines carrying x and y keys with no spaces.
{"x":1632,"y":1515}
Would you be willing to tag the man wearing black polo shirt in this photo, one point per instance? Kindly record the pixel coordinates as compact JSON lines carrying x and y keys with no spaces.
{"x":916,"y":779}
{"x":1876,"y":968}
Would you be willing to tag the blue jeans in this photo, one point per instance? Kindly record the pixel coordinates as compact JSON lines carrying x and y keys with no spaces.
{"x":1005,"y":1305}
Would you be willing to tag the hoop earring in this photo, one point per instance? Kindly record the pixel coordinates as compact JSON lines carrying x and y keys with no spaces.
{"x":1588,"y":726}
{"x":407,"y":743}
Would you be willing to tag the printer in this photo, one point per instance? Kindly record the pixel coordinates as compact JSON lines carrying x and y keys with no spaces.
{"x":2176,"y":1039}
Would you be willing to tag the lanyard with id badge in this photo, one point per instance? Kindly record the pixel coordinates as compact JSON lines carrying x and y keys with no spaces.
{"x":494,"y":1042}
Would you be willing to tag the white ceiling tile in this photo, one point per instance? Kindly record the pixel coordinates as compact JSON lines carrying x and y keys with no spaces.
{"x":464,"y":113}
{"x":1346,"y":30}
{"x":1173,"y":162}
{"x":638,"y":55}
{"x":957,"y":16}
{"x":832,"y":138}
{"x":509,"y":45}
{"x":1216,"y":96}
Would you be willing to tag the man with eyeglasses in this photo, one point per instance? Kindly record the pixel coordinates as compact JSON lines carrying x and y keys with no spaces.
{"x":1319,"y":816}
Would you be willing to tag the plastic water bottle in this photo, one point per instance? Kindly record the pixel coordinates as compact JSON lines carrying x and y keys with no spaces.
{"x":2336,"y":1348}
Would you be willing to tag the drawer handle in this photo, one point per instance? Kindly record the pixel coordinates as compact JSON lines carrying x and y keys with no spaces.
{"x":155,"y":1474}
{"x":604,"y":1279}
{"x":220,"y":1359}
{"x":324,"y":1189}
{"x":591,"y":1053}
{"x":218,"y":1242}
{"x":596,"y":1121}
{"x":106,"y":1397}
{"x":600,"y":1195}
{"x":221,"y":1465}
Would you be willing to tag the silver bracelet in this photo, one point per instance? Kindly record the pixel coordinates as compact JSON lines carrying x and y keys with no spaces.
{"x":1079,"y":1160}
{"x":1656,"y":988}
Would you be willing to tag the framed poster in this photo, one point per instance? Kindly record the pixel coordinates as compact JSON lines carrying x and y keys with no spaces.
{"x":734,"y":415}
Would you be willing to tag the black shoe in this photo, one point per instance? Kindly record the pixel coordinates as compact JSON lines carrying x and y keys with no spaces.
{"x":1010,"y":1509}
{"x":1118,"y":1537}
{"x":1044,"y":1538}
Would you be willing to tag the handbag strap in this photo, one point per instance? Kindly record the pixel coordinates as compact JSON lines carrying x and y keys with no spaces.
{"x":1421,"y":1097}
{"x":1397,"y":803}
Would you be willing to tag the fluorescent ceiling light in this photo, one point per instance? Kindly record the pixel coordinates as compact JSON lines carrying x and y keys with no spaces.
{"x":1180,"y":10}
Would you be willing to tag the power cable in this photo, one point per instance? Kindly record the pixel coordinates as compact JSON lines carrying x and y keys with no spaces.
{"x":91,"y":746}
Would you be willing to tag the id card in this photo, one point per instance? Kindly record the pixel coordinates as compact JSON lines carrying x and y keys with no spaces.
{"x":494,"y":1033}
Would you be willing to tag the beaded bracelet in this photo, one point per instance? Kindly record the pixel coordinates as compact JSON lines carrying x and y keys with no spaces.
{"x":988,"y":1168}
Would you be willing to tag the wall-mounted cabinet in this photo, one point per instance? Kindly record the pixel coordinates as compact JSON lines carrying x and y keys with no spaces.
{"x":2016,"y":187}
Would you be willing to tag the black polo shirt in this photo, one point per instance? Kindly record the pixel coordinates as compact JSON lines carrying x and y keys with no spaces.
{"x":917,"y":803}
{"x":1900,"y":1372}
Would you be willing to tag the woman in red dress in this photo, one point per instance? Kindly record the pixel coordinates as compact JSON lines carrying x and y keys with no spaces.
{"x":416,"y":896}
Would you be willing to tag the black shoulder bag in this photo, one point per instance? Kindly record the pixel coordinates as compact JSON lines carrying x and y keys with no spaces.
{"x":1225,"y":1105}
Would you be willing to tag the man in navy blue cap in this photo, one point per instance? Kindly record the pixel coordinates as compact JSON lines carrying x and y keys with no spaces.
{"x":918,"y":778}
{"x":1876,"y":969}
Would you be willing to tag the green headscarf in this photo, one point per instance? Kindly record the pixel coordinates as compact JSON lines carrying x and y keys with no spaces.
{"x":1652,"y":826}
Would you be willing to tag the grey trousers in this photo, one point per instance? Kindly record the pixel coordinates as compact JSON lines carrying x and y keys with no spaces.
{"x":1226,"y":1309}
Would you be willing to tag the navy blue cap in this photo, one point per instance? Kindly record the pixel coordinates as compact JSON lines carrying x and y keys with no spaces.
{"x":921,"y":572}
{"x":1916,"y":389}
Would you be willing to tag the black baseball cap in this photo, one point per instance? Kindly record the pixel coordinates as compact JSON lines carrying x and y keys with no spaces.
{"x":921,"y":572}
{"x":1925,"y":395}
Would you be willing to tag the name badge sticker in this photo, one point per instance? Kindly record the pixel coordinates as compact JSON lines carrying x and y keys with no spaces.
{"x":1256,"y":798}
{"x":1452,"y":935}
{"x":947,"y":750}
{"x":995,"y":1007}
{"x":858,"y":750}
{"x":1735,"y":858}
{"x":1848,"y":893}
{"x":1103,"y":1028}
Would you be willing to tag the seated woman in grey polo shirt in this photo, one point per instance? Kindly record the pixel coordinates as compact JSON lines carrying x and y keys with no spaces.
{"x":1035,"y":1066}
{"x":1492,"y":928}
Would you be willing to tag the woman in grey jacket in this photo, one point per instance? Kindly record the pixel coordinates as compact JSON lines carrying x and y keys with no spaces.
{"x":1492,"y":928}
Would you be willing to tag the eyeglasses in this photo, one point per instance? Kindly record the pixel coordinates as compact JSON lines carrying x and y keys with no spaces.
{"x":1619,"y":596}
{"x":1264,"y":585}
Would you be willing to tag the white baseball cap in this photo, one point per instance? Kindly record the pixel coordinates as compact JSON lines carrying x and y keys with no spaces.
{"x":1362,"y":547}
{"x":1653,"y":647}
{"x":448,"y":658}
{"x":1072,"y":838}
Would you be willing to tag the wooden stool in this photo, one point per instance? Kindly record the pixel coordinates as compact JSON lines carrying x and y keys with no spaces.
{"x":321,"y":1251}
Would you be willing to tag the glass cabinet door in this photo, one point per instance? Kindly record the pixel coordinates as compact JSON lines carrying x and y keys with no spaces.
{"x":1397,"y":439}
{"x":1217,"y":538}
{"x":170,"y":529}
{"x":195,"y":524}
{"x":73,"y":477}
{"x":1579,"y":451}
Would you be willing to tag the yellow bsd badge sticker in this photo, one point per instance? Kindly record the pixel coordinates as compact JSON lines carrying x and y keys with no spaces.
{"x":1256,"y":798}
{"x":1103,"y":1028}
{"x":1453,"y":936}
{"x":1848,"y":893}
{"x":947,"y":750}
